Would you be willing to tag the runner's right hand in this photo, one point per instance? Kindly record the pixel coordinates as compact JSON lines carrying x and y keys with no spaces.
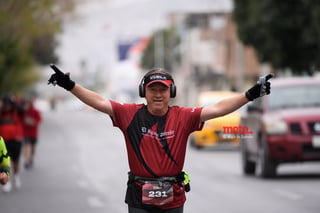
{"x":60,"y":78}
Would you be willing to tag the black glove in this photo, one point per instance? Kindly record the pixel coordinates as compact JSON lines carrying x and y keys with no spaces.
{"x":60,"y":78}
{"x":261,"y":88}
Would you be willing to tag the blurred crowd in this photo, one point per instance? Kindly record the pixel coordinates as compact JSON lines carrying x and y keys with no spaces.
{"x":19,"y":124}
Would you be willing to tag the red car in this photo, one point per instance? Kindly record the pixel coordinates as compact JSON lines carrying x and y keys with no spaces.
{"x":285,"y":126}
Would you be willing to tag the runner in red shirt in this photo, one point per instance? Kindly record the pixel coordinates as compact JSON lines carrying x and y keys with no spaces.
{"x":156,"y":145}
{"x":156,"y":136}
{"x":31,"y":120}
{"x":11,"y":131}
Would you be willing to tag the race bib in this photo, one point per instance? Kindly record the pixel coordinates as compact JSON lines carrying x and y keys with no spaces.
{"x":157,"y":193}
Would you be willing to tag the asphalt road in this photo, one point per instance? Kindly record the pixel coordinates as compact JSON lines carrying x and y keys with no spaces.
{"x":81,"y":167}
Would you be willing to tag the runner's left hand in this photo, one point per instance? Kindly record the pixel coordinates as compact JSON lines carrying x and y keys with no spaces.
{"x":261,"y":88}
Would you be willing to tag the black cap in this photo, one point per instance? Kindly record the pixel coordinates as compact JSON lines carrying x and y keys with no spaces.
{"x":160,"y":77}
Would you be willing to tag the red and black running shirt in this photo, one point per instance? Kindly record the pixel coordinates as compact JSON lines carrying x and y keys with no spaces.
{"x":156,"y":146}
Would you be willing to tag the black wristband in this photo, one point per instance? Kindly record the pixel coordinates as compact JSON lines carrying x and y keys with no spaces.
{"x":248,"y":96}
{"x":69,"y":85}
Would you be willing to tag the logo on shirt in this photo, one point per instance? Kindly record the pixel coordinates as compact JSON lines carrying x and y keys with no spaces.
{"x":150,"y":133}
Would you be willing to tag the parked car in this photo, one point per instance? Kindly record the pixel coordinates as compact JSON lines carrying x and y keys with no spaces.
{"x":285,"y":126}
{"x":216,"y":131}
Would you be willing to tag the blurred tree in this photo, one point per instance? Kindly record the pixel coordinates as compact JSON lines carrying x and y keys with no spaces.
{"x":284,"y":33}
{"x":27,"y":30}
{"x":170,"y":54}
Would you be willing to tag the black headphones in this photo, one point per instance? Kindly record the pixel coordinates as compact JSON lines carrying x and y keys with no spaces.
{"x":167,"y":76}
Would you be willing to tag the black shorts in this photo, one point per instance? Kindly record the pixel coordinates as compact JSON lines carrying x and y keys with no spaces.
{"x":14,"y":150}
{"x":32,"y":141}
{"x":155,"y":210}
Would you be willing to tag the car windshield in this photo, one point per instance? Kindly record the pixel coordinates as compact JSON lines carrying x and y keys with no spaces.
{"x":294,"y":97}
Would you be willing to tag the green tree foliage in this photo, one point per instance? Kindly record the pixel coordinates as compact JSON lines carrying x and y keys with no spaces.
{"x":170,"y":55}
{"x":284,"y":33}
{"x":27,"y":30}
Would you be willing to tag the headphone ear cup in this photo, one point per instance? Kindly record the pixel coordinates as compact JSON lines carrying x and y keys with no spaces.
{"x":173,"y":91}
{"x":142,"y":91}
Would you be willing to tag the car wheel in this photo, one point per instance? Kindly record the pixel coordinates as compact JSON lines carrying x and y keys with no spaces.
{"x":248,"y":167}
{"x":266,"y":166}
